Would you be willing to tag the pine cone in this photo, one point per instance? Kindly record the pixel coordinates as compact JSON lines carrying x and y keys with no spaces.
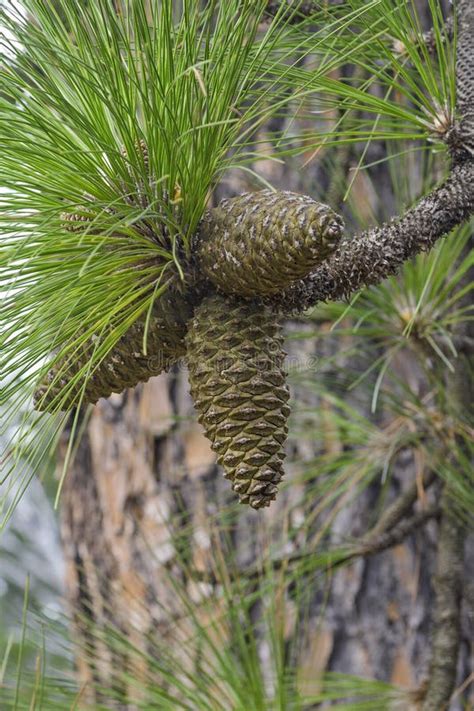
{"x":78,"y":221}
{"x":140,"y":147}
{"x":235,"y":360}
{"x":258,"y":243}
{"x":126,"y":365}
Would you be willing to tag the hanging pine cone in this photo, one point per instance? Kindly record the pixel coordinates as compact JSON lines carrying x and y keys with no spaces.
{"x":126,"y":365}
{"x":258,"y":243}
{"x":235,"y":360}
{"x":136,"y":192}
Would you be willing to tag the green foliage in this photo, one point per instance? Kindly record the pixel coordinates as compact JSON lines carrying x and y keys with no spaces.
{"x":129,"y":119}
{"x":84,"y":87}
{"x":397,"y":89}
{"x":81,"y":87}
{"x":410,"y":319}
{"x":219,"y":630}
{"x":83,"y":91}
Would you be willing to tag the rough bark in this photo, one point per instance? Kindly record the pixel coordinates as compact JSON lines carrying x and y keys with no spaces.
{"x":145,"y":476}
{"x":379,"y":252}
{"x":465,"y":75}
{"x":447,"y":619}
{"x":449,"y":586}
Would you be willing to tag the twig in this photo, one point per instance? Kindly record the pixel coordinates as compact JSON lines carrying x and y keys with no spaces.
{"x":373,"y":542}
{"x":376,"y":542}
{"x":394,"y":513}
{"x":369,"y":545}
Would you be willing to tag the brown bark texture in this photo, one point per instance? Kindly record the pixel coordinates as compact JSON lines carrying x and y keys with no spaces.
{"x":145,"y":478}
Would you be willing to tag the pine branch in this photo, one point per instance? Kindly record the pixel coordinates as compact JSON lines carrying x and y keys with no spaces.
{"x":465,"y":75}
{"x":376,"y":542}
{"x":402,"y":505}
{"x":379,"y":252}
{"x":372,"y":543}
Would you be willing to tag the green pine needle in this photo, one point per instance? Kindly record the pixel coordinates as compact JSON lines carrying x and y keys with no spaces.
{"x":127,"y":120}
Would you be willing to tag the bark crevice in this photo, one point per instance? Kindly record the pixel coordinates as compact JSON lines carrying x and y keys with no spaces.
{"x":447,"y":618}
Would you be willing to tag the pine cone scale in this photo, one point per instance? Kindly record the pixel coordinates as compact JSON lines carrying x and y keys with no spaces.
{"x":259,"y":243}
{"x":237,"y":380}
{"x":126,"y":365}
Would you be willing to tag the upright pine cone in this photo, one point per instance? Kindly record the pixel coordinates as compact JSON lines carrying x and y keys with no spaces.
{"x":258,"y":243}
{"x":235,"y":360}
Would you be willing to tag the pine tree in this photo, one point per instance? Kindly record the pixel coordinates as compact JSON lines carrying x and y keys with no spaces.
{"x":122,"y":124}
